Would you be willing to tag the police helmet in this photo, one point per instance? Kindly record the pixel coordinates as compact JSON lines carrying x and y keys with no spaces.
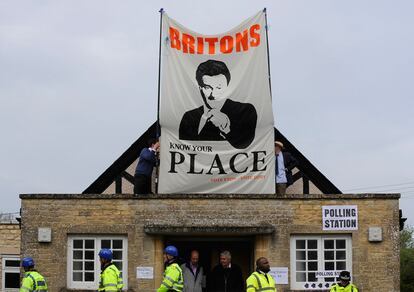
{"x":171,"y":250}
{"x":106,"y":254}
{"x":345,"y":275}
{"x":28,"y":262}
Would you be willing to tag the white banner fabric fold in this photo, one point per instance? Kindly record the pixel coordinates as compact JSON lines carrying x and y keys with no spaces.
{"x":216,"y":114}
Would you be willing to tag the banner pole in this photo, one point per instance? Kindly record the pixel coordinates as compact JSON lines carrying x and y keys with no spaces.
{"x":158,"y":128}
{"x":268,"y":56}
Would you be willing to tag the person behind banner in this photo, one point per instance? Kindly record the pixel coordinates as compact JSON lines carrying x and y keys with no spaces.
{"x":284,"y":163}
{"x":146,"y":162}
{"x":219,"y":118}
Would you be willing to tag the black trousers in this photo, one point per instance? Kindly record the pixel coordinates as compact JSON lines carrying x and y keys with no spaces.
{"x":142,"y":184}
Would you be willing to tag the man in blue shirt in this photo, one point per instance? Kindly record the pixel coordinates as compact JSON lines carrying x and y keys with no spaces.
{"x":146,"y":162}
{"x":285,"y":162}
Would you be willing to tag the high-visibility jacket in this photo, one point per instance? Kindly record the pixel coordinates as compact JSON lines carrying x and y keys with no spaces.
{"x":110,"y":279}
{"x":173,"y":279}
{"x":33,"y":281}
{"x":258,"y":282}
{"x":349,"y":288}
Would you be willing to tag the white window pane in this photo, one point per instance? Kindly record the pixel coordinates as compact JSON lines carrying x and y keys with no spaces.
{"x":77,"y":243}
{"x":312,"y":244}
{"x":300,"y":244}
{"x":117,"y":244}
{"x":328,"y":244}
{"x":301,"y":255}
{"x":340,"y":244}
{"x":300,"y":277}
{"x":77,"y":266}
{"x":300,"y":266}
{"x":312,"y":255}
{"x":89,"y":244}
{"x":329,"y":255}
{"x":340,"y":266}
{"x":340,"y":255}
{"x":89,"y":266}
{"x":312,"y":277}
{"x":77,"y":276}
{"x":329,"y":266}
{"x":89,"y":276}
{"x":105,"y":243}
{"x":117,"y":254}
{"x":77,"y":254}
{"x":89,"y":254}
{"x":12,"y":263}
{"x":12,"y":280}
{"x":312,"y":266}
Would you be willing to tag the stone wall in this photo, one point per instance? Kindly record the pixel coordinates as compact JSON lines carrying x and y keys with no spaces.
{"x":9,"y":242}
{"x":375,"y":265}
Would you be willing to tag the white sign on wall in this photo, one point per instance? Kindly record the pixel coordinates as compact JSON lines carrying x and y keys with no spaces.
{"x":323,"y":274}
{"x":342,"y":217}
{"x":280,"y":275}
{"x":145,"y":272}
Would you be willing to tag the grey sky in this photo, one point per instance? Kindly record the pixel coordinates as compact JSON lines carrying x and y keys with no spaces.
{"x":78,"y":85}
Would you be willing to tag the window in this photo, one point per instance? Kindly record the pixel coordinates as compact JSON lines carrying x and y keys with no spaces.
{"x":316,"y":261}
{"x":83,"y":261}
{"x":10,"y":273}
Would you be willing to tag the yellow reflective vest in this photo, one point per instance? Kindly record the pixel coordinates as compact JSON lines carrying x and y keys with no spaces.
{"x":258,"y":282}
{"x":110,"y":279}
{"x":33,"y":281}
{"x":173,"y":279}
{"x":349,"y":288}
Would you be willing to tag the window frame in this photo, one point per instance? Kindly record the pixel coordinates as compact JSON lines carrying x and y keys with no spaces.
{"x":5,"y":269}
{"x":295,"y":285}
{"x":97,"y":268}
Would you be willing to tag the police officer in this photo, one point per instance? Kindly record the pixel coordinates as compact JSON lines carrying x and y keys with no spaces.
{"x":344,"y":284}
{"x":261,"y":280}
{"x":173,"y":275}
{"x":110,"y":276}
{"x":32,"y":280}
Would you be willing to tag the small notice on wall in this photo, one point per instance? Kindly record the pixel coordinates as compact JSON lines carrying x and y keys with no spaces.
{"x":145,"y":273}
{"x":340,"y":217}
{"x":280,"y":275}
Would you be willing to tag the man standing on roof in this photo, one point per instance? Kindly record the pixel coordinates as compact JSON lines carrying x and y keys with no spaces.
{"x":173,"y":275}
{"x":110,"y":276}
{"x":284,"y":164}
{"x":32,"y":280}
{"x":146,"y":162}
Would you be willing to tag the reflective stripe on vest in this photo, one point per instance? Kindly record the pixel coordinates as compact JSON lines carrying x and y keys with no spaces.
{"x":261,"y":288}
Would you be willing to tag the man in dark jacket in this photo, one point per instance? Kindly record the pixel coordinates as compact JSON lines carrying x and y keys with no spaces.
{"x":146,"y":162}
{"x":284,"y":163}
{"x":226,"y":276}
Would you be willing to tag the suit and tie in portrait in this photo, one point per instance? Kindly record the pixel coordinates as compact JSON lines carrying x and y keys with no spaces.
{"x":219,"y":118}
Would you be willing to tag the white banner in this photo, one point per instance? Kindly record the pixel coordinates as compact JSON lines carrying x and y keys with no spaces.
{"x":215,"y":110}
{"x":340,"y":217}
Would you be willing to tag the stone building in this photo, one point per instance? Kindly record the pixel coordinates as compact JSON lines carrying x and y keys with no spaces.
{"x":307,"y":238}
{"x":9,"y":254}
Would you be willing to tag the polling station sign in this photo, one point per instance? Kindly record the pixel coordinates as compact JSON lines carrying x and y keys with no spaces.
{"x":340,"y":217}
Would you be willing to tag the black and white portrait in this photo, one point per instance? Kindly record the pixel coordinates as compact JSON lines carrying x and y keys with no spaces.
{"x":219,"y":118}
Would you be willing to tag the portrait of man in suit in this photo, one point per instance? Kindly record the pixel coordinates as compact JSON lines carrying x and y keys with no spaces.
{"x":219,"y":118}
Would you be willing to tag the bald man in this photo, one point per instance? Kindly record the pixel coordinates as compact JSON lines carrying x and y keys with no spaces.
{"x":193,"y":274}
